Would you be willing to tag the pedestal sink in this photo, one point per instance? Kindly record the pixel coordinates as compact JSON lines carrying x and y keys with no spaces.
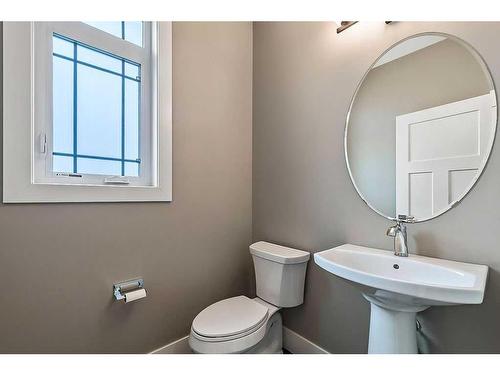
{"x":397,"y":288}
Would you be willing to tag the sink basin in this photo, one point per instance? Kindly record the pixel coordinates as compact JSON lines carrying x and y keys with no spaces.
{"x":423,"y":280}
{"x":398,"y":288}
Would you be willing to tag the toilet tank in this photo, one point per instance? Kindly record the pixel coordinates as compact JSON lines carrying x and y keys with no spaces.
{"x":279,"y":273}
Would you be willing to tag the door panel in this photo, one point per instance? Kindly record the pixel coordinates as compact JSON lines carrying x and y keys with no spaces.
{"x":439,"y":151}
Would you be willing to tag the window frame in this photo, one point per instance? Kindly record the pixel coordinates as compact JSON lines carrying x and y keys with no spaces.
{"x":87,"y":35}
{"x":28,"y":107}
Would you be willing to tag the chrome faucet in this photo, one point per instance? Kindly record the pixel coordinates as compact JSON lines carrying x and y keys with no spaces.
{"x":398,"y":231}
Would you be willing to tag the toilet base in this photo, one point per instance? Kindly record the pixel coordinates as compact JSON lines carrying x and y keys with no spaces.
{"x":272,"y":343}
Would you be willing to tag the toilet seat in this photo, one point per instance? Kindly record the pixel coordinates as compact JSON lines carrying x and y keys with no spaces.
{"x":229,"y":319}
{"x":230,"y":326}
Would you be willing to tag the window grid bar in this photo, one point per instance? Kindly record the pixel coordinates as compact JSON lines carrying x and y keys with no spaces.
{"x":95,"y":66}
{"x":123,"y":111}
{"x":138,"y":161}
{"x":139,"y":122}
{"x":75,"y":109}
{"x":62,"y":37}
{"x":123,"y":104}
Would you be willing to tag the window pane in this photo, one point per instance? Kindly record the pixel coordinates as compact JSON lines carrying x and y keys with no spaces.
{"x":62,"y":164}
{"x":129,"y":31}
{"x":131,"y":169}
{"x":131,"y":119}
{"x":96,"y":166}
{"x":107,"y":106}
{"x":62,"y":105}
{"x":62,"y":47}
{"x":113,"y":28}
{"x":133,"y":32}
{"x":99,"y":59}
{"x":132,"y":70}
{"x":99,"y":113}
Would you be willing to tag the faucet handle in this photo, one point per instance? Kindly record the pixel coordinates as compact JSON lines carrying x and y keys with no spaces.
{"x":406,"y":218}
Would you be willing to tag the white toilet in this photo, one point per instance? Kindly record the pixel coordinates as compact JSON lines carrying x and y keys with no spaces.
{"x":243,"y":325}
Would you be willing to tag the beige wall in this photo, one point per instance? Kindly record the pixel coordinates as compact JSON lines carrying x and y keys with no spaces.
{"x":304,"y":78}
{"x":442,"y":73}
{"x":58,"y":261}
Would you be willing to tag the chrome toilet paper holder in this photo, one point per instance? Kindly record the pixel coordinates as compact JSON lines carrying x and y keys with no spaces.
{"x":126,"y":286}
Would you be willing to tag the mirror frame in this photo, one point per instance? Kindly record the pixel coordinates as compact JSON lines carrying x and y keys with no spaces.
{"x":484,"y":163}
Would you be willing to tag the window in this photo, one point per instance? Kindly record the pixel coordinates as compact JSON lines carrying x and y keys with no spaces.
{"x":101,"y":103}
{"x":96,"y":111}
{"x":98,"y":132}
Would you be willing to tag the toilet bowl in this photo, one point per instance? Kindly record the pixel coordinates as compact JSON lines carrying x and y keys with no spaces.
{"x":243,"y":325}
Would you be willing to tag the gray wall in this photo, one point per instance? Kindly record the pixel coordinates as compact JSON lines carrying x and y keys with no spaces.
{"x":58,"y":261}
{"x":304,"y":77}
{"x":442,"y":73}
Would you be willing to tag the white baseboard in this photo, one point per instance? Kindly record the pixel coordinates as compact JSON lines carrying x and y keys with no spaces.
{"x":180,"y":346}
{"x":296,"y":344}
{"x":292,"y":341}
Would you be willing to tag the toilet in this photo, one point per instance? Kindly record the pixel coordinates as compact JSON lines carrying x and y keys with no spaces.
{"x":244,"y":325}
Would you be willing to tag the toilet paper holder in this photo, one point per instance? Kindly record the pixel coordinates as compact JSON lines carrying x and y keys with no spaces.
{"x":126,"y":286}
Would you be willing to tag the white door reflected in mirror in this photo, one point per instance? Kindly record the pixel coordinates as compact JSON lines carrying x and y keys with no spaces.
{"x":421,"y":127}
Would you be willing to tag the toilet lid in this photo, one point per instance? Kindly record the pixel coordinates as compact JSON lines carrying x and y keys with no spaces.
{"x":229,"y":317}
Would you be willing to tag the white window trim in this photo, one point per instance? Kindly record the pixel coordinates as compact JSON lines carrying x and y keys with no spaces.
{"x":19,"y":124}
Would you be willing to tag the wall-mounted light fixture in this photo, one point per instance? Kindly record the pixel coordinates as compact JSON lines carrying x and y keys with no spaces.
{"x":344,"y":25}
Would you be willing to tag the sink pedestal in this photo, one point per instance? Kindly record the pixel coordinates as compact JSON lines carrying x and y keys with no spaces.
{"x":392,"y":328}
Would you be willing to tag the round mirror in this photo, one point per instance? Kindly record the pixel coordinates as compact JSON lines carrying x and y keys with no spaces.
{"x":421,"y":127}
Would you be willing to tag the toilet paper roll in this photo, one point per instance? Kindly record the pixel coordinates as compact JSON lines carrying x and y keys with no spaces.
{"x":135,"y":295}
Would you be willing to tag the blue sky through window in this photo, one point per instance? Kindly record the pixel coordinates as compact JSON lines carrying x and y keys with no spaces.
{"x":96,"y":108}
